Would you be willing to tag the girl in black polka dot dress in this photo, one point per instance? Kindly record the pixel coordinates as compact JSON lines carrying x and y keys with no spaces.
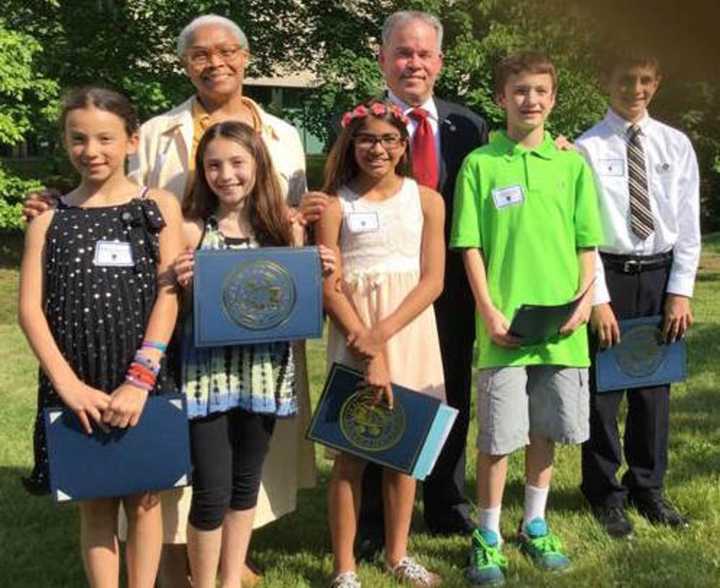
{"x":98,"y":306}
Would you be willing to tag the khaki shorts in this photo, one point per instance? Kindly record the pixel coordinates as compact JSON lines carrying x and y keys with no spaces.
{"x":545,"y":400}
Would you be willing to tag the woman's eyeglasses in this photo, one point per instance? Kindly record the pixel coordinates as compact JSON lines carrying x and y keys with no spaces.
{"x":202,"y":57}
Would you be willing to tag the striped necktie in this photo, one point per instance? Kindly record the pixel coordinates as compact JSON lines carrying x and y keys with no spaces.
{"x":641,"y":219}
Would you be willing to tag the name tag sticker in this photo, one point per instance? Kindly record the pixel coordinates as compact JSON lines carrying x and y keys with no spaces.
{"x":363,"y":222}
{"x":611,"y":167}
{"x":508,"y":196}
{"x":113,"y":254}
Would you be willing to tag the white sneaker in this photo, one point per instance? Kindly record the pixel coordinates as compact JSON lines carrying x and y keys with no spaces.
{"x":410,"y":572}
{"x":346,"y":580}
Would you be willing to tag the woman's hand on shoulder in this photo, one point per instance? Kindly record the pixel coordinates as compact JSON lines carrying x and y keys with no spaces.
{"x":39,"y":201}
{"x":89,"y":404}
{"x":125,"y":407}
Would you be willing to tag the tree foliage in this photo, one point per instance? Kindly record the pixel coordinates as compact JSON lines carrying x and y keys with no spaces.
{"x":27,"y":101}
{"x":130,"y":45}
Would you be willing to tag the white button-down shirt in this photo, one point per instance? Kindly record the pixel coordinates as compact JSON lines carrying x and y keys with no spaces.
{"x":433,"y":118}
{"x":674,"y":190}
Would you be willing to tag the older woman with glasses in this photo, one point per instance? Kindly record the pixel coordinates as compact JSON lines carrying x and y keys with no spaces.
{"x":214,"y":52}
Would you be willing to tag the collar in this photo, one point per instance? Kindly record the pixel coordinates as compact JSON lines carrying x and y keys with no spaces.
{"x":512,"y":149}
{"x":261,"y":121}
{"x":620,"y":125}
{"x":200,"y":116}
{"x":428,"y":105}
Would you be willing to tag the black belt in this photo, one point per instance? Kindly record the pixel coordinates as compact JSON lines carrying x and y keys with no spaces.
{"x":635,"y":264}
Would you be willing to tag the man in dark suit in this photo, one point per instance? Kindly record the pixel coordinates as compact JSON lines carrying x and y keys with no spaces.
{"x":411,"y":59}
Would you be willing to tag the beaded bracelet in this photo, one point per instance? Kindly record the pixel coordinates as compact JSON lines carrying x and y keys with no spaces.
{"x":147,"y":362}
{"x":161,"y":347}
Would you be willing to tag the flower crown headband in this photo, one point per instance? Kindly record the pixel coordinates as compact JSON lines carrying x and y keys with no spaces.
{"x":378,"y":109}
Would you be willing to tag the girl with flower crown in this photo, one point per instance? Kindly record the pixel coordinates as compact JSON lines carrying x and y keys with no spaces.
{"x":388,"y":234}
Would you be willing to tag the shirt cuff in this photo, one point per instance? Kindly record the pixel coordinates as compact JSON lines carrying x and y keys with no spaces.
{"x":680,"y":285}
{"x":600,"y":293}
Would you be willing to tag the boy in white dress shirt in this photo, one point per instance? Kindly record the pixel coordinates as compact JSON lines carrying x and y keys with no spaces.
{"x":648,"y":182}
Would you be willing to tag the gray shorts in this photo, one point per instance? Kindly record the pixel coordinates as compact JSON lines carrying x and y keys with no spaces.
{"x":546,"y":400}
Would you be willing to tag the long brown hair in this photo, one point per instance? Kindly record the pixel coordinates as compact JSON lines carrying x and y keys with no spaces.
{"x":264,"y":205}
{"x":341,"y":166}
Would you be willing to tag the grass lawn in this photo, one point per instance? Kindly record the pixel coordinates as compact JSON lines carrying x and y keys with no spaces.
{"x":39,"y":541}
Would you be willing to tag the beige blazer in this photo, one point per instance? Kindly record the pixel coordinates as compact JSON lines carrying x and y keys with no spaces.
{"x":166,"y":140}
{"x":162,"y":162}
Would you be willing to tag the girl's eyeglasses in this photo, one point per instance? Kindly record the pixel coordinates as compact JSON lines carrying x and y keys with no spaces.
{"x":389,"y":141}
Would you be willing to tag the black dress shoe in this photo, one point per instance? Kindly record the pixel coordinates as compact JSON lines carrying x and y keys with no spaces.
{"x":614,"y":520}
{"x":658,"y":510}
{"x":369,"y":543}
{"x":454,"y":521}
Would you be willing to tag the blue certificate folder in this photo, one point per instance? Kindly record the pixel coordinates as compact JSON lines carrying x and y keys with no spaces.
{"x":641,"y":359}
{"x":153,"y":455}
{"x":407,"y":438}
{"x":257,"y":295}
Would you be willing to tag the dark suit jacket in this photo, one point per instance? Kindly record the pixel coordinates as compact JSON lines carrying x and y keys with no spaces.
{"x":461,"y":131}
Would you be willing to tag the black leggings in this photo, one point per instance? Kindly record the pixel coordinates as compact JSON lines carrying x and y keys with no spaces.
{"x":228,"y":451}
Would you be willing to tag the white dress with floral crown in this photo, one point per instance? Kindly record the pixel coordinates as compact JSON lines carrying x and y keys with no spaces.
{"x":380,"y":268}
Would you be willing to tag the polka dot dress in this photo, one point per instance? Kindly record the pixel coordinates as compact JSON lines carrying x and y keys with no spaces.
{"x":97,"y":310}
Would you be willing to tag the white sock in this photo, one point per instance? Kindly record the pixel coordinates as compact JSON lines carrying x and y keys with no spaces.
{"x":535,"y":502}
{"x":490,"y":519}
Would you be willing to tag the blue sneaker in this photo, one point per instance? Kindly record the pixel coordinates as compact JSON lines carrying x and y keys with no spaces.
{"x":486,"y":564}
{"x":541,"y":546}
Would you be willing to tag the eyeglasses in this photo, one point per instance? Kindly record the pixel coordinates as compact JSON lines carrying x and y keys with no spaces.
{"x":389,"y":141}
{"x":202,"y":57}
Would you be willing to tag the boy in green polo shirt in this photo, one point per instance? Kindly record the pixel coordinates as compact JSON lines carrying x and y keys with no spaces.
{"x":526,"y":218}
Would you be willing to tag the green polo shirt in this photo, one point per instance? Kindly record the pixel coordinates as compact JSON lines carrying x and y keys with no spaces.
{"x":529,"y":211}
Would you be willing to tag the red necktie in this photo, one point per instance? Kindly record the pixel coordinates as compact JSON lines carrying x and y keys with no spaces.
{"x":424,"y":154}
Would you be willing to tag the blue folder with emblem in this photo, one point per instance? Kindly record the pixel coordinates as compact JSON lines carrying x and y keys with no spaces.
{"x":257,"y":295}
{"x":407,"y":438}
{"x":642,"y":359}
{"x":151,"y":456}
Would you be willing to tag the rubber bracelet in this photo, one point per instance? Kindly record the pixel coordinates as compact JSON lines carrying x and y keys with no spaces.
{"x":162,"y":347}
{"x":141,"y":371}
{"x":144,"y":377}
{"x":133,"y":382}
